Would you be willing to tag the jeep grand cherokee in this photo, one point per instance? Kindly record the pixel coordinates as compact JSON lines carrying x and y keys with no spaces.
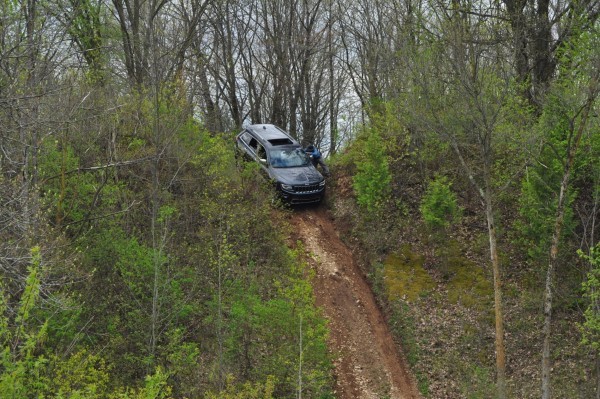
{"x":283,"y":160}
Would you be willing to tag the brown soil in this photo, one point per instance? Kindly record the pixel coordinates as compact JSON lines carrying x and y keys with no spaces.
{"x":368,"y":363}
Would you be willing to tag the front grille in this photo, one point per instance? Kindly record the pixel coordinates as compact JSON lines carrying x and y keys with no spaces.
{"x":313,"y":188}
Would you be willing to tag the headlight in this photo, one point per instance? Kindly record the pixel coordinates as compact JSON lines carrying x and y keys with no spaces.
{"x":322,"y":184}
{"x":287,"y":187}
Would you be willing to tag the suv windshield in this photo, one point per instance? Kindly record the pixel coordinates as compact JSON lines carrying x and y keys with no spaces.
{"x":288,"y":158}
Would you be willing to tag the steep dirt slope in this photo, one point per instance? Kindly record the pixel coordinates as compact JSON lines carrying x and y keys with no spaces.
{"x":367,"y":362}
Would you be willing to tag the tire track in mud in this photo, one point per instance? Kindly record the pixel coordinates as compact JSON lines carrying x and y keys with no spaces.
{"x":368,"y":363}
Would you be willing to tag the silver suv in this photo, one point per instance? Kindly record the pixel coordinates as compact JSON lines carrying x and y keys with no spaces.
{"x":283,"y":161}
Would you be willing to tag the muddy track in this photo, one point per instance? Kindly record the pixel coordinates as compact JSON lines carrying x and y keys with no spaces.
{"x":368,"y":363}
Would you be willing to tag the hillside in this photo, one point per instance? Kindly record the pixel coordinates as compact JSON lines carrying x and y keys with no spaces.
{"x":435,"y":290}
{"x":140,"y":257}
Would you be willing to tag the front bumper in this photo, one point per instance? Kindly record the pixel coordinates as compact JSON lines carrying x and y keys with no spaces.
{"x":302,"y":194}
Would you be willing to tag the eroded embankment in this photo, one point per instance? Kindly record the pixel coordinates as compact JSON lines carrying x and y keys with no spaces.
{"x":368,"y":363}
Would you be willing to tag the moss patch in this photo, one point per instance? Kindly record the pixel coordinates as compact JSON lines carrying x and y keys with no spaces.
{"x":468,"y":284}
{"x":405,"y":277}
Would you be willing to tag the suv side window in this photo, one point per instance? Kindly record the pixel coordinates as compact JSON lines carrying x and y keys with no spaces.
{"x":260,"y":152}
{"x":248,"y":139}
{"x":253,"y":143}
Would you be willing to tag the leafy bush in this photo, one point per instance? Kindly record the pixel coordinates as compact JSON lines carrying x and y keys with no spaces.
{"x":27,"y":367}
{"x":439,"y":205}
{"x":372,"y":180}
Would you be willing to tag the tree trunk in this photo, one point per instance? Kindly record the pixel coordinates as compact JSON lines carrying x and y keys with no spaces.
{"x":210,"y":109}
{"x":558,"y":224}
{"x":332,"y":93}
{"x":155,"y":204}
{"x":228,"y":49}
{"x":29,"y":127}
{"x":549,"y":292}
{"x":543,"y":59}
{"x":500,"y":352}
{"x":486,"y":196}
{"x":518,"y":23}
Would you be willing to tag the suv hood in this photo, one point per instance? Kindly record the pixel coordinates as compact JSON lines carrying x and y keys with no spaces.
{"x":296,"y":176}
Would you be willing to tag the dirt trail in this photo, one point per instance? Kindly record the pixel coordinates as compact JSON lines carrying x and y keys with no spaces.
{"x":367,"y":362}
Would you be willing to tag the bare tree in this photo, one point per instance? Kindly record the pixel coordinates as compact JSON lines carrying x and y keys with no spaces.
{"x":178,"y":24}
{"x":373,"y":46}
{"x":578,"y":125}
{"x":270,"y":62}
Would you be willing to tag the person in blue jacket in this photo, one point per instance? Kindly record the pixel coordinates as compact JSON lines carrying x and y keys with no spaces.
{"x":316,"y":158}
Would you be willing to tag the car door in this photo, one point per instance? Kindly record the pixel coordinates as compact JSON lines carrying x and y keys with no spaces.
{"x":262,"y":159}
{"x":254,"y":151}
{"x":247,"y":144}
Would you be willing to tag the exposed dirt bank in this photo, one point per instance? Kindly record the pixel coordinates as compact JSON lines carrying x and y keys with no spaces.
{"x":368,"y":363}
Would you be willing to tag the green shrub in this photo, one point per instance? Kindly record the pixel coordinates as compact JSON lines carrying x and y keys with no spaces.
{"x":372,"y":180}
{"x":28,"y":368}
{"x":439,"y":206}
